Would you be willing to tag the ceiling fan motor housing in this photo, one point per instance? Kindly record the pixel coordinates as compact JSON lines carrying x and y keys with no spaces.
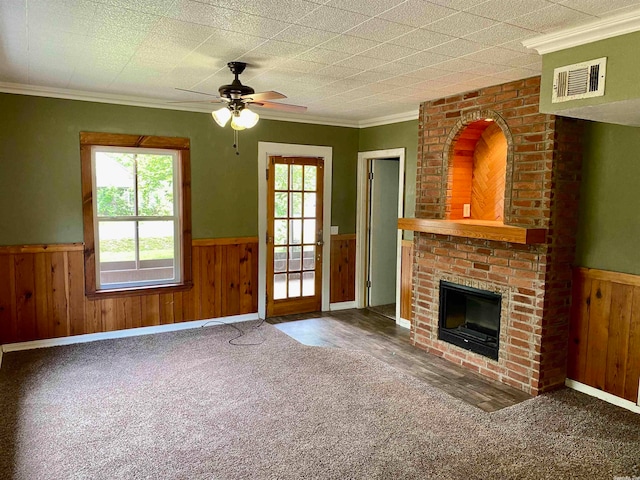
{"x":236,"y":89}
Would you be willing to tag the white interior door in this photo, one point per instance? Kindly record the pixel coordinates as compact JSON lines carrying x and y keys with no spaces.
{"x":383,"y":231}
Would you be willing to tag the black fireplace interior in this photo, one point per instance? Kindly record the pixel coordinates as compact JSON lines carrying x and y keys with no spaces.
{"x":470,"y":318}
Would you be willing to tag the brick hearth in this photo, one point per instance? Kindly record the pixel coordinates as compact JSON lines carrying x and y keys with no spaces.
{"x":541,"y":190}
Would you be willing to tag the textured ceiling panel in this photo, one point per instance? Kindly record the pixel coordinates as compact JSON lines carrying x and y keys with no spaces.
{"x":339,"y":57}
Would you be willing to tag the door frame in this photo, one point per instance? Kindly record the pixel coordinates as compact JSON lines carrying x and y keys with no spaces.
{"x":270,"y":149}
{"x":361,"y":224}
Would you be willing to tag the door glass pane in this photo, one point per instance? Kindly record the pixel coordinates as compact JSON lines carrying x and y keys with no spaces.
{"x":295,"y":232}
{"x":280,"y":232}
{"x":309,"y":231}
{"x":280,"y":205}
{"x":294,"y":285}
{"x":308,"y":284}
{"x":282,"y":176}
{"x":310,"y":177}
{"x":296,"y":204}
{"x":280,"y":286}
{"x":294,"y":258}
{"x":155,"y":185}
{"x":309,"y":204}
{"x":309,"y":258}
{"x":296,"y":177}
{"x":115,"y":184}
{"x":279,"y":259}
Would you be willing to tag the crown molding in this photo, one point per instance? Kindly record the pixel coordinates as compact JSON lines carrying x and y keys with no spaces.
{"x":389,"y":119}
{"x":114,"y":99}
{"x":588,"y":33}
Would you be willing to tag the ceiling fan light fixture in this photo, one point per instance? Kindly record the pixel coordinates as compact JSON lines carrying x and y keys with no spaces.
{"x":221,"y":116}
{"x":236,"y":123}
{"x":248,"y":118}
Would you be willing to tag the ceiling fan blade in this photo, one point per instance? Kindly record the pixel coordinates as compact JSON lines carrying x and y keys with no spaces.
{"x":281,"y":106}
{"x":194,"y":91}
{"x":260,"y":96}
{"x":220,"y":100}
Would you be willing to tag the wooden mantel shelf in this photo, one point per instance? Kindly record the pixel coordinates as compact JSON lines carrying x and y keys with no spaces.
{"x":485,"y":230}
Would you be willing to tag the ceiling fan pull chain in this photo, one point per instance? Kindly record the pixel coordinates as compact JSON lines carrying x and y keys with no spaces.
{"x":236,"y":141}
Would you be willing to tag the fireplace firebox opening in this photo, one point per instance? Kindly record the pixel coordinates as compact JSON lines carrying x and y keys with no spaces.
{"x":470,"y":318}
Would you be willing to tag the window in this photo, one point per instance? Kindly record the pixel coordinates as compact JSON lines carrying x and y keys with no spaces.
{"x":136,"y":213}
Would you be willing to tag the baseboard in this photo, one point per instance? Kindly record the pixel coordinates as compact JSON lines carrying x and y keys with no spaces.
{"x":403,"y":322}
{"x":342,"y":305}
{"x":132,"y":332}
{"x":607,"y":397}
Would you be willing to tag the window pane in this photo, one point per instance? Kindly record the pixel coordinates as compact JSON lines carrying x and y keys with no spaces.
{"x":117,"y":241}
{"x":309,"y":231}
{"x":156,"y":240}
{"x":155,"y":185}
{"x":281,"y":208}
{"x":296,"y":232}
{"x":280,"y":259}
{"x":117,"y":251}
{"x":280,"y":229}
{"x":282,"y":176}
{"x":310,"y":177}
{"x":296,"y":177}
{"x":309,"y":258}
{"x":296,"y":204}
{"x":294,"y":258}
{"x":309,"y":204}
{"x":115,"y":184}
{"x":280,"y":286}
{"x":308,"y":284}
{"x":157,"y":251}
{"x":294,"y":285}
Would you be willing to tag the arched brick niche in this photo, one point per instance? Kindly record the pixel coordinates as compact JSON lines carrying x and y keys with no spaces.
{"x":479,"y":165}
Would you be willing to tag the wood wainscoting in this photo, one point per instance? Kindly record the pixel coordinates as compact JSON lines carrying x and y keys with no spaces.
{"x":406,"y":276}
{"x":42,"y":291}
{"x":343,"y":268}
{"x":604,"y":338}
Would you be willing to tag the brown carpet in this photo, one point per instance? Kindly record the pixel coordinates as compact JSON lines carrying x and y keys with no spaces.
{"x":188,"y":405}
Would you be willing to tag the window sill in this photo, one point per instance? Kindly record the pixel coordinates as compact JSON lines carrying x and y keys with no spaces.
{"x":139,"y":291}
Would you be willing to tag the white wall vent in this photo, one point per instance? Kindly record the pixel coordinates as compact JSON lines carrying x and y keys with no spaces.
{"x":580,"y":80}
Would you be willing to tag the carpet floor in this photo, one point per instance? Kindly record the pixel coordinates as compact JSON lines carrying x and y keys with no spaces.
{"x":187,"y":405}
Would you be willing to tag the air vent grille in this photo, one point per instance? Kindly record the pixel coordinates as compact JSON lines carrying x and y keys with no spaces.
{"x":581,"y":80}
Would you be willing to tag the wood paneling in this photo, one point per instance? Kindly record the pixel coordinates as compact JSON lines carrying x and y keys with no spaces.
{"x":489,"y":175}
{"x":604,"y":343}
{"x":460,"y":174}
{"x":343,"y":268}
{"x":42,"y":294}
{"x":406,"y":272}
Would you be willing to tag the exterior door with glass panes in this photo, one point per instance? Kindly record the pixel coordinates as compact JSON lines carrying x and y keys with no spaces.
{"x":294,"y":235}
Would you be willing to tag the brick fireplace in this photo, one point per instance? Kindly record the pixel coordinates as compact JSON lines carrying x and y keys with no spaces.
{"x":523,"y":251}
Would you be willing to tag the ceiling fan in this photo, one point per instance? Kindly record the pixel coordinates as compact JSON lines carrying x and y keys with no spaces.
{"x":239,"y":97}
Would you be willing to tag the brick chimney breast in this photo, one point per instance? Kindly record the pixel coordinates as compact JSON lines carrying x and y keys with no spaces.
{"x":541,"y":189}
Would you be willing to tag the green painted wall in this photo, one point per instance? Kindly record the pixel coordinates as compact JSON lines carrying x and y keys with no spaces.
{"x":623,"y":71}
{"x":609,"y":229}
{"x":397,"y":135}
{"x":40,"y":196}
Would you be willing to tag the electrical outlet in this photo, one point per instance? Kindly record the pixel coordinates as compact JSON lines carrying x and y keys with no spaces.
{"x":466,"y":210}
{"x":334,"y":229}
